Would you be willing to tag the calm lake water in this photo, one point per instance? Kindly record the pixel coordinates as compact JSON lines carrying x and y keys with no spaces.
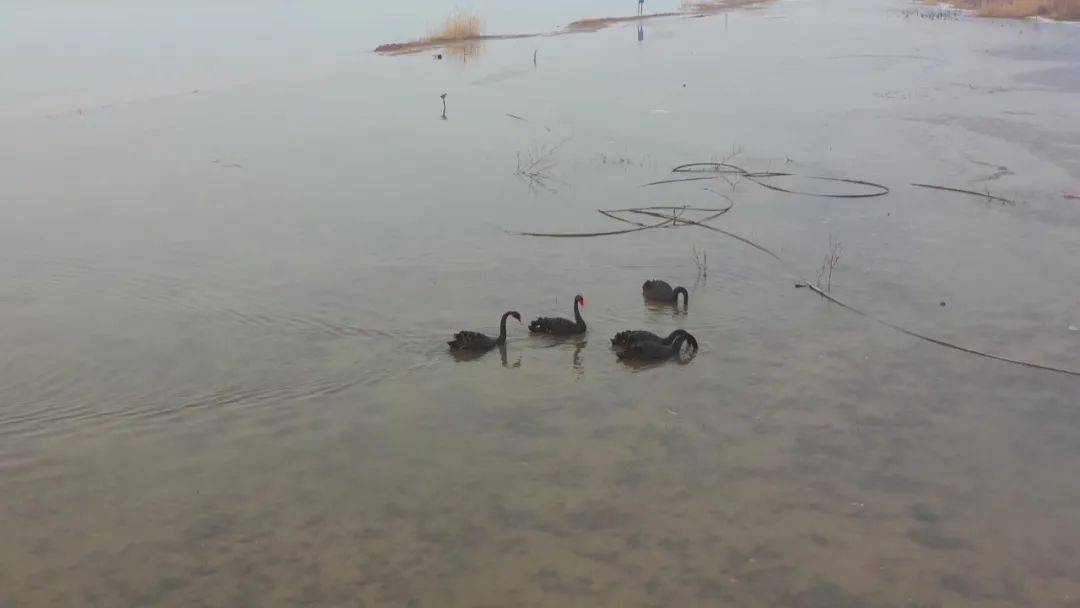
{"x":236,"y":241}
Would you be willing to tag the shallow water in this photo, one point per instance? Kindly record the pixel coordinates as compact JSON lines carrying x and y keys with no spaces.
{"x":226,"y":380}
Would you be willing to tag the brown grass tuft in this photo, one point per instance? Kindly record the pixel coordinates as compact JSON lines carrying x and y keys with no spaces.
{"x":715,"y":6}
{"x":1065,"y":10}
{"x":599,"y":23}
{"x":458,"y":26}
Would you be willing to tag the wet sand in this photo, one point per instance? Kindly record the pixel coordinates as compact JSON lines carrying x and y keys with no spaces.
{"x":226,"y":382}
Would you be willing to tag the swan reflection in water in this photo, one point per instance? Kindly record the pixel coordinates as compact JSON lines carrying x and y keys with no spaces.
{"x":578,"y":359}
{"x":502,"y":354}
{"x":462,"y":356}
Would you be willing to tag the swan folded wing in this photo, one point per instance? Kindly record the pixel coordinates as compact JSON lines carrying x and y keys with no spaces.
{"x":650,"y":349}
{"x":554,"y":325}
{"x":657,"y":290}
{"x":632,"y":336}
{"x":464,"y":340}
{"x":647,"y":350}
{"x":653,"y":284}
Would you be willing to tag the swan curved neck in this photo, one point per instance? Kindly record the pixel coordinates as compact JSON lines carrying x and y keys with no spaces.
{"x":676,"y":346}
{"x":577,"y":314}
{"x":502,"y":329}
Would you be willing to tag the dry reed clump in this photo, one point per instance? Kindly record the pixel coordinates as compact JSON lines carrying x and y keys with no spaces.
{"x":713,"y":6}
{"x":458,"y":26}
{"x":1065,"y":10}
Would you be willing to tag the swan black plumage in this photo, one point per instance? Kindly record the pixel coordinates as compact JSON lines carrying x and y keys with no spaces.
{"x":560,"y":326}
{"x":633,"y":336}
{"x":660,"y":291}
{"x":475,"y":341}
{"x":649,"y":350}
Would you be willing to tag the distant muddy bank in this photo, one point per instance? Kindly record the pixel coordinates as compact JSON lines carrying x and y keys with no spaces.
{"x":1061,"y":10}
{"x":452,"y":33}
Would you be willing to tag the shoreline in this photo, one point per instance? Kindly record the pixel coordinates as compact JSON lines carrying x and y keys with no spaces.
{"x":1054,"y":10}
{"x":580,"y":26}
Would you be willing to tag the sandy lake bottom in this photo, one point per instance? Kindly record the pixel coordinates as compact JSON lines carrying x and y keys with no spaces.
{"x":225,"y":379}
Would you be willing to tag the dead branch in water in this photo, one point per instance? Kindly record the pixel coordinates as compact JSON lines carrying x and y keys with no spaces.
{"x":535,"y":164}
{"x":701,"y":260}
{"x":720,"y":170}
{"x":832,"y":258}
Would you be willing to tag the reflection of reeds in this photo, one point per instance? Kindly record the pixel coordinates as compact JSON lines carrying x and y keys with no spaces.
{"x":1068,"y":10}
{"x":465,"y":50}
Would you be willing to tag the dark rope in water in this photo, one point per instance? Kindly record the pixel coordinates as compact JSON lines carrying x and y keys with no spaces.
{"x":729,"y":169}
{"x":937,"y":341}
{"x":669,"y":222}
{"x":985,"y":195}
{"x":881,"y":190}
{"x":681,"y":179}
{"x":572,"y":235}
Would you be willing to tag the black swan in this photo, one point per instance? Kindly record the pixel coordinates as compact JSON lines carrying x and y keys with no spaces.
{"x":560,"y":326}
{"x":661,"y":291}
{"x":476,"y":341}
{"x":633,"y":336}
{"x":649,"y":350}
